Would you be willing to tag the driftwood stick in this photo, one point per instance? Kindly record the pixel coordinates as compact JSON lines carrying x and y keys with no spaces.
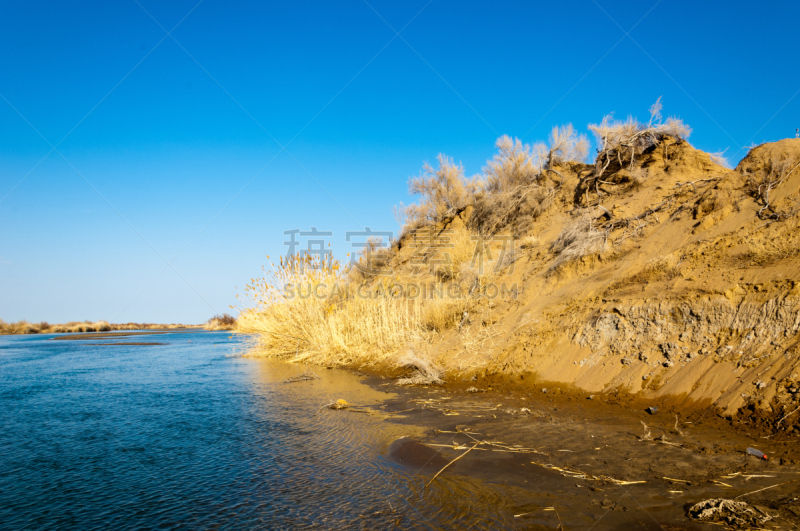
{"x":450,"y":463}
{"x":765,"y":488}
{"x":788,"y":415}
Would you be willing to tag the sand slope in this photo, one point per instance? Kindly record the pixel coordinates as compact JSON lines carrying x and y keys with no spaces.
{"x":692,"y":292}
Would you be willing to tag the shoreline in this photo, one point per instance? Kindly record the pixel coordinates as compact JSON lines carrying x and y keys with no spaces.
{"x":593,"y":455}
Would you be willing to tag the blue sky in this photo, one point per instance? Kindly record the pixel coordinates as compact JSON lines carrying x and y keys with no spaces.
{"x":181,"y":159}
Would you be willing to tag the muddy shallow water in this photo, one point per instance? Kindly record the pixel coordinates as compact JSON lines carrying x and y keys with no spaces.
{"x":189,"y":435}
{"x":585,"y":464}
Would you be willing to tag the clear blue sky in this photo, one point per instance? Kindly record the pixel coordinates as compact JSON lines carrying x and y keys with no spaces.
{"x":169,"y":148}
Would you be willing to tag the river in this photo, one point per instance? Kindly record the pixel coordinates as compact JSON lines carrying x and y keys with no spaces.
{"x":188,"y":434}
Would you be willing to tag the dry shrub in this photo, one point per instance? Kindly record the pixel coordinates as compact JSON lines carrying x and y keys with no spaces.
{"x":565,"y":145}
{"x":515,"y":164}
{"x":720,"y":159}
{"x":774,"y":173}
{"x":518,"y":165}
{"x":579,"y":238}
{"x":770,"y":249}
{"x":444,"y":192}
{"x":20,"y":327}
{"x":43,"y":327}
{"x":518,"y":208}
{"x":423,"y":368}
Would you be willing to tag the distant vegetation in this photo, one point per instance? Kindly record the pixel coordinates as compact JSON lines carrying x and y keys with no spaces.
{"x":43,"y":327}
{"x":221,"y":322}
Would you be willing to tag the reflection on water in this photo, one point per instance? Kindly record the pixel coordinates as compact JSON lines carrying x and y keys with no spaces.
{"x":185,"y":435}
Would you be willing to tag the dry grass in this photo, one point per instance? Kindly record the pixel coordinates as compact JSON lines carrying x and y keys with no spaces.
{"x":460,"y":251}
{"x":579,"y":238}
{"x":439,"y":314}
{"x":312,"y":312}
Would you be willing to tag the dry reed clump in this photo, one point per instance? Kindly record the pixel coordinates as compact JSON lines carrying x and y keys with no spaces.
{"x":441,"y":313}
{"x":224,"y":321}
{"x":308,"y":311}
{"x":578,"y":239}
{"x":443,"y":191}
{"x":459,"y":251}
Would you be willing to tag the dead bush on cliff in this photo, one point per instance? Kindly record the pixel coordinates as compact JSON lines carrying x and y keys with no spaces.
{"x":774,"y":173}
{"x":565,"y":145}
{"x":619,"y":143}
{"x":518,"y":165}
{"x":443,"y":191}
{"x":518,"y":208}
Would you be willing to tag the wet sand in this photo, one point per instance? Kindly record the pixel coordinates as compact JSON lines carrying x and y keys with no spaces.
{"x":587,"y":463}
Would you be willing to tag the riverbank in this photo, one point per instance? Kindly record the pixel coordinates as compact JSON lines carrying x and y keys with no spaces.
{"x":584,"y":460}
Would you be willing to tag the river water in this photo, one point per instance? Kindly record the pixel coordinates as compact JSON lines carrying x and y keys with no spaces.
{"x":188,"y":434}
